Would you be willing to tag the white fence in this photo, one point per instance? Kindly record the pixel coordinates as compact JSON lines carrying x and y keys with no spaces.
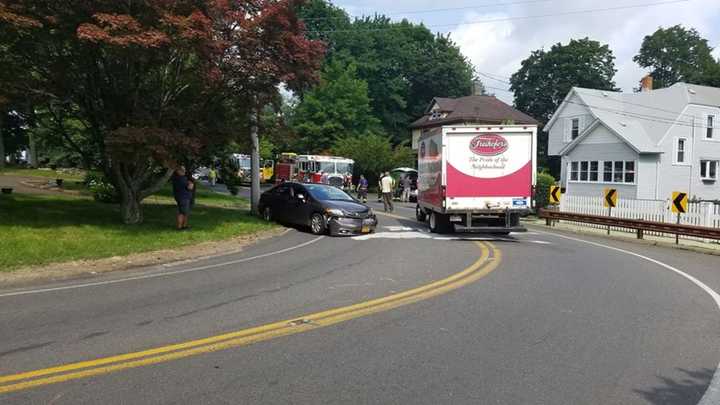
{"x":699,"y":214}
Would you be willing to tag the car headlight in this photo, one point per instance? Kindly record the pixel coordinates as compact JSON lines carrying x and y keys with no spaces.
{"x":334,"y":212}
{"x":370,"y":212}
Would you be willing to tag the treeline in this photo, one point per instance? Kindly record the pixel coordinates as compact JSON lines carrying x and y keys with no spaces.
{"x":377,"y":77}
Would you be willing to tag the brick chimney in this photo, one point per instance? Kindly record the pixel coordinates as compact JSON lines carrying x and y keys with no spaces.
{"x":646,"y":83}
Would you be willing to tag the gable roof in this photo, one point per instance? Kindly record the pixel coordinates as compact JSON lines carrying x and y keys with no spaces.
{"x":477,"y":109}
{"x":641,"y":119}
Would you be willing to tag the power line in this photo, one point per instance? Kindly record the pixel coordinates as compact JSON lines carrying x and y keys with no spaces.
{"x":498,"y":89}
{"x":438,"y":10}
{"x":503,"y":19}
{"x":487,"y":75}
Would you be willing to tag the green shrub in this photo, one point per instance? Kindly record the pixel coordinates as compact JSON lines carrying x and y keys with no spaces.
{"x":101,"y":188}
{"x":542,"y":189}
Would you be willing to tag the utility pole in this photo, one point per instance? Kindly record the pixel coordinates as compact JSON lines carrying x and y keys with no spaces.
{"x":255,"y":158}
{"x":2,"y":144}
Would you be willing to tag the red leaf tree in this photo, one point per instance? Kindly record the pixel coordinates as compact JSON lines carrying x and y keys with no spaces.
{"x":153,"y":81}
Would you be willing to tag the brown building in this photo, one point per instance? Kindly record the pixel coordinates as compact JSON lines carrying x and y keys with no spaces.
{"x":469,"y":110}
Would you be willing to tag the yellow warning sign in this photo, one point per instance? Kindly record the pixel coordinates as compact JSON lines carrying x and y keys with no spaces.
{"x":555,"y":194}
{"x":679,"y":202}
{"x":611,"y":197}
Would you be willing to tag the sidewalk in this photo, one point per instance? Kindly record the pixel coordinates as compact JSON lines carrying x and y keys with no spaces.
{"x":712,"y":248}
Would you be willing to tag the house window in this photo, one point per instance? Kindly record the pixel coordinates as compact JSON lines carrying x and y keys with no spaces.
{"x":594,"y":166}
{"x":574,"y":171}
{"x":618,"y":171}
{"x":710,"y":126}
{"x":708,"y":170}
{"x":584,"y":171}
{"x":630,"y":171}
{"x":680,"y":150}
{"x":575,"y":128}
{"x":608,"y":172}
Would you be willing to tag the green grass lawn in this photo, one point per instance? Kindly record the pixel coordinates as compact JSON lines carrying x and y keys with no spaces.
{"x":203,"y":196}
{"x":40,"y":229}
{"x":67,"y":175}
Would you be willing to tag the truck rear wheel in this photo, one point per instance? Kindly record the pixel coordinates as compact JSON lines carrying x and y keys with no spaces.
{"x":439,"y":223}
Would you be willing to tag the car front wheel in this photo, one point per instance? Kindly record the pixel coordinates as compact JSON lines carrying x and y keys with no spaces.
{"x":317,"y":224}
{"x":267,"y":214}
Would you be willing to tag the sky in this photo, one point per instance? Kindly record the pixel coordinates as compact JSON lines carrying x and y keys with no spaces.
{"x":495,"y":36}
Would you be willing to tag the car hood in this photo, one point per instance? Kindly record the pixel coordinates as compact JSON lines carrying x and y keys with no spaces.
{"x":348,"y":206}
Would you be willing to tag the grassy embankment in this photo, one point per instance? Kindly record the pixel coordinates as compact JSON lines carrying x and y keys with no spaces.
{"x":41,"y":229}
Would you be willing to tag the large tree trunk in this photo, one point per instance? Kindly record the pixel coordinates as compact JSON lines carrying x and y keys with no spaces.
{"x":255,"y":162}
{"x":32,"y":151}
{"x":130,"y":208}
{"x":132,"y":193}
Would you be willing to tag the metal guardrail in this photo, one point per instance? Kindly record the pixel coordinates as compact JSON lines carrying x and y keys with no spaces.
{"x":638,"y":225}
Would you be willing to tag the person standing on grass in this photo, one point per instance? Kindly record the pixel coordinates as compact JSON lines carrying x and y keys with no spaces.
{"x":388,"y":184}
{"x":212,"y":176}
{"x":362,"y":189}
{"x":183,"y":193}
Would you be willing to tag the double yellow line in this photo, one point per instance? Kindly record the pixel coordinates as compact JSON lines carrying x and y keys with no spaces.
{"x":489,"y":259}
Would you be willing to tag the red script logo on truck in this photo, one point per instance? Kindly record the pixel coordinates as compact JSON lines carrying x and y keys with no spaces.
{"x":488,"y":145}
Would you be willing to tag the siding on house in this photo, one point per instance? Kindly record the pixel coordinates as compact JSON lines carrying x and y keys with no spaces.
{"x":596,"y":190}
{"x":600,"y":145}
{"x":686,"y":176}
{"x":647,"y":177}
{"x":558,"y":136}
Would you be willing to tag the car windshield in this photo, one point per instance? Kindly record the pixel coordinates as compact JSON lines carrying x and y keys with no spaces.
{"x":324,"y":193}
{"x":344,"y":168}
{"x":327,"y":167}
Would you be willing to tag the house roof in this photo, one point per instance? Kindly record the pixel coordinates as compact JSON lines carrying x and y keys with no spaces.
{"x":642,"y":119}
{"x":478,"y":109}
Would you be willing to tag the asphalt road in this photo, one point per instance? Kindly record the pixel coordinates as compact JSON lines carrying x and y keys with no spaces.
{"x":536,"y":318}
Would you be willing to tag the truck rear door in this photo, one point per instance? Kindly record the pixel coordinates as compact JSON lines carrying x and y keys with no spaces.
{"x":488,"y":169}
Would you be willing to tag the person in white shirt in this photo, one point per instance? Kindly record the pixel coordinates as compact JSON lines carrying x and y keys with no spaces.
{"x":388,"y":185}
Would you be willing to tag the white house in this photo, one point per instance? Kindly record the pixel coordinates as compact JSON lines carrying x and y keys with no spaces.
{"x":646,"y":145}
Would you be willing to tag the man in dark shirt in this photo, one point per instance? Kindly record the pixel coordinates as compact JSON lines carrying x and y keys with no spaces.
{"x":183,"y":191}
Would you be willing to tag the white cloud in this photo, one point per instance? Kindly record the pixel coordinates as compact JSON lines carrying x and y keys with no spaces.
{"x":507,"y":43}
{"x":499,"y":47}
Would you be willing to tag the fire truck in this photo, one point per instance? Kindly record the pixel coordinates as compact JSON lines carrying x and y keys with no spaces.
{"x":310,"y":169}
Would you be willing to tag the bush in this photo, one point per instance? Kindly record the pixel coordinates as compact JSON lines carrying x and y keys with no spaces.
{"x":542,"y":189}
{"x":101,"y":188}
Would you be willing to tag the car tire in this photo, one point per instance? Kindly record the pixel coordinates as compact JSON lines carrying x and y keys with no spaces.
{"x":267,"y":214}
{"x":420,"y":214}
{"x":317,"y":224}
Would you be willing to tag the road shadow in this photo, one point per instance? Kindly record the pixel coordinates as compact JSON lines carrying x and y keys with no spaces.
{"x":688,"y":390}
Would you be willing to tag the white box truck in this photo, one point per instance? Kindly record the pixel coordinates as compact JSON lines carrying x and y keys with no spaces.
{"x":476,"y":178}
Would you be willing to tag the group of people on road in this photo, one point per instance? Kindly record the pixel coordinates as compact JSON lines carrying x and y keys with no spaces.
{"x":386,"y":190}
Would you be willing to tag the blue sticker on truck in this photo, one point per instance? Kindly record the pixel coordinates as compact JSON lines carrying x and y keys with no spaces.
{"x":519,"y":202}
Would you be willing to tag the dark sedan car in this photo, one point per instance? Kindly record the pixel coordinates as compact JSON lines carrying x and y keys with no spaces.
{"x":321,"y":207}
